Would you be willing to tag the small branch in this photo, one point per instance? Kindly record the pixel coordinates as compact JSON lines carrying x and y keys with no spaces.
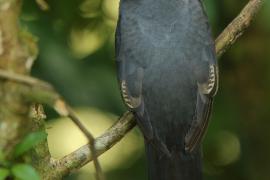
{"x":83,"y":155}
{"x":90,"y":137}
{"x":43,"y":5}
{"x":25,"y":79}
{"x":238,"y":26}
{"x":40,"y":152}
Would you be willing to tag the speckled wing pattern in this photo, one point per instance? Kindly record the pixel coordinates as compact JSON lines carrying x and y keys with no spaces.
{"x":130,"y":77}
{"x":207,"y":86}
{"x":205,"y":95}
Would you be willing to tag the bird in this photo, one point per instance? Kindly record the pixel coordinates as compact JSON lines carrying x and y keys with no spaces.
{"x":168,"y":76}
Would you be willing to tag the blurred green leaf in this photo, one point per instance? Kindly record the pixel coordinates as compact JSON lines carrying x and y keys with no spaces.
{"x":3,"y":161}
{"x":29,"y":141}
{"x":24,"y":172}
{"x":3,"y":173}
{"x":2,"y":156}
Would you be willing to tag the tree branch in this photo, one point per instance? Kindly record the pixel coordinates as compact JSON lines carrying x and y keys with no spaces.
{"x":238,"y":26}
{"x":83,"y":155}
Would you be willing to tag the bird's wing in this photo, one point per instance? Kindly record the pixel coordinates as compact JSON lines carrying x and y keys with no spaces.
{"x":131,"y":65}
{"x":206,"y":74}
{"x":130,"y":77}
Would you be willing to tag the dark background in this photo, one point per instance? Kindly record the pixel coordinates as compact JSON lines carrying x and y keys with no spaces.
{"x":76,"y":41}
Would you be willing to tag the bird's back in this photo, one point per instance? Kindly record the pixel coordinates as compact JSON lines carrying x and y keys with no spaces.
{"x":170,"y":42}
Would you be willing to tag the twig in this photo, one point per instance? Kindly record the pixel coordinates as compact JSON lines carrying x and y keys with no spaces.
{"x":83,"y":155}
{"x":63,"y":109}
{"x":99,"y":174}
{"x":24,"y":79}
{"x":238,"y":26}
{"x":43,"y":5}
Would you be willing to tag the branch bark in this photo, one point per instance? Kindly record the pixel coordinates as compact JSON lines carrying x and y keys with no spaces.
{"x":83,"y":155}
{"x":237,"y":27}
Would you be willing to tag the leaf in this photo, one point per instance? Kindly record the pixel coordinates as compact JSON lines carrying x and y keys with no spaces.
{"x":3,"y":161}
{"x":24,"y":172}
{"x":3,"y":173}
{"x":29,"y":141}
{"x":2,"y":156}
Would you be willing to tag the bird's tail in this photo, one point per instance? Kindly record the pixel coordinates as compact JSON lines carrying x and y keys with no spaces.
{"x":178,"y":166}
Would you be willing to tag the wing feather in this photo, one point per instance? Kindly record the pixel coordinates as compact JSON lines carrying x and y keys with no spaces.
{"x":205,"y":94}
{"x":130,"y":77}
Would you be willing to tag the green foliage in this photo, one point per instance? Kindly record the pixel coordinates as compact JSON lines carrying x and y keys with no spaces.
{"x":3,"y":161}
{"x":2,"y":156}
{"x":29,"y":142}
{"x":4,"y":173}
{"x":24,"y":172}
{"x":21,"y":171}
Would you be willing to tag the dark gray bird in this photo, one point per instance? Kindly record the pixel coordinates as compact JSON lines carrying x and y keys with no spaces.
{"x":168,"y":77}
